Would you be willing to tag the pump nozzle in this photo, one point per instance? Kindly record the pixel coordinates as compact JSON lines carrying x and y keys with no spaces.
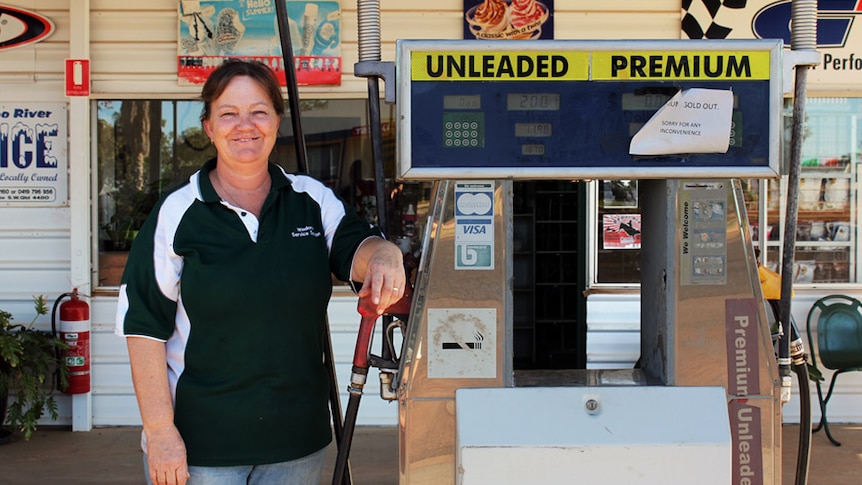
{"x":367,"y":309}
{"x":362,"y":360}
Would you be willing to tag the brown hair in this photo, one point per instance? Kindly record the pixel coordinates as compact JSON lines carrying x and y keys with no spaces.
{"x":233,"y":67}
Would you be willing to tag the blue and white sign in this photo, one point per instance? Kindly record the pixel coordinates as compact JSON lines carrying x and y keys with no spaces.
{"x":474,"y":225}
{"x":33,"y":154}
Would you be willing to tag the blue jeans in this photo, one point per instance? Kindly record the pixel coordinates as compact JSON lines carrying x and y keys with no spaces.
{"x":302,"y":471}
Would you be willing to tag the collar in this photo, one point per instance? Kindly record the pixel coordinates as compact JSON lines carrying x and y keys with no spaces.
{"x":277,"y":176}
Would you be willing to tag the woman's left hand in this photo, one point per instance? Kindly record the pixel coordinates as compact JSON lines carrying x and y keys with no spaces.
{"x":379,"y":265}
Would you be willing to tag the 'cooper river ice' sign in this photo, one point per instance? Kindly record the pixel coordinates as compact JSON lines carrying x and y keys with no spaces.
{"x":33,"y":154}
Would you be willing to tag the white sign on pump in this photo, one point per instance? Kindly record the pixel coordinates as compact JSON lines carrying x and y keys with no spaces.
{"x":695,"y":120}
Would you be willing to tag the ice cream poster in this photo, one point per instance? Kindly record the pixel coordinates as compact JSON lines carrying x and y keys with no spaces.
{"x":211,"y":31}
{"x":621,"y":231}
{"x":508,"y":19}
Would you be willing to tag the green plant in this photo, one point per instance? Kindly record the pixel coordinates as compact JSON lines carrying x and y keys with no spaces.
{"x":29,"y":360}
{"x":131,"y":208}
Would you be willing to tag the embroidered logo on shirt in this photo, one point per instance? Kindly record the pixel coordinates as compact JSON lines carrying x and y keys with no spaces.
{"x":305,"y":232}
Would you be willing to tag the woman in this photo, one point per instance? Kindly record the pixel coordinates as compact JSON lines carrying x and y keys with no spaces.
{"x":223,"y":301}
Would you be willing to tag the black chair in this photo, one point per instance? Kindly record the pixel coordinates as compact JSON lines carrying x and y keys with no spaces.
{"x":838,"y":319}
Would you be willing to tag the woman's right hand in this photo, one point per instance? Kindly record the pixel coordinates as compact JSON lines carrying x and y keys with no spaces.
{"x":166,"y":457}
{"x":166,"y":451}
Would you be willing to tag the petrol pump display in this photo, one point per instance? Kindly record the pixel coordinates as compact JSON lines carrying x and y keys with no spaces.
{"x":589,"y":109}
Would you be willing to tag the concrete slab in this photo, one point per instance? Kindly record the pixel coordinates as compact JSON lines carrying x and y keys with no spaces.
{"x":112,"y":456}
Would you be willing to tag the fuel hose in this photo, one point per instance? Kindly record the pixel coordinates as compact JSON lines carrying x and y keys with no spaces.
{"x":803,"y":38}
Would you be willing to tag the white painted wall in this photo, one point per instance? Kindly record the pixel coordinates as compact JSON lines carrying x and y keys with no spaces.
{"x":132,"y":47}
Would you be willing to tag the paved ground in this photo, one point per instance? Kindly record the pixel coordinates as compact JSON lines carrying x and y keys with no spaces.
{"x":112,"y":456}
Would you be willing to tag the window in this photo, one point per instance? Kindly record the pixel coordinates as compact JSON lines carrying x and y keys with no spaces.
{"x":618,"y":232}
{"x":827,"y":248}
{"x":826,"y":234}
{"x":146,"y":147}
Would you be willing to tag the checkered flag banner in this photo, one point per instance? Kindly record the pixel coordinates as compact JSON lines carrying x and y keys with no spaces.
{"x":702,"y":19}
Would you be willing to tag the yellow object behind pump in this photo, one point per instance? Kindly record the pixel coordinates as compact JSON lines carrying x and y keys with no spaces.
{"x":770,"y":282}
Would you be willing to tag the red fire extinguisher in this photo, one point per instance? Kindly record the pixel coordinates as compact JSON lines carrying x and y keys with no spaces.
{"x":75,"y":333}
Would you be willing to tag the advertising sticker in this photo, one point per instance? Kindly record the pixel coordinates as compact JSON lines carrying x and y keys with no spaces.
{"x":474,"y":225}
{"x":508,"y":20}
{"x":33,"y":154}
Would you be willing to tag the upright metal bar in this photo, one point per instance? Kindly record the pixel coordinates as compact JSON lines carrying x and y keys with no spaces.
{"x":302,"y":165}
{"x":292,"y":88}
{"x":368,"y":13}
{"x":803,"y":37}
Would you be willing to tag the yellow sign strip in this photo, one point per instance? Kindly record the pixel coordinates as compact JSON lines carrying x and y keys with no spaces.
{"x":681,"y":65}
{"x":579,"y":66}
{"x":499,"y":66}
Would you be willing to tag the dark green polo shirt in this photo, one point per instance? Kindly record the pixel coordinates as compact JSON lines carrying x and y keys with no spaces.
{"x":241,"y":305}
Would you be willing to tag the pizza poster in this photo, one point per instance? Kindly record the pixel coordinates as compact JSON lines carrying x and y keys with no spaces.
{"x":212,"y":31}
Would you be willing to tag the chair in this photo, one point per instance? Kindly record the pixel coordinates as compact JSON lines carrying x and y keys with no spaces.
{"x":839,"y":344}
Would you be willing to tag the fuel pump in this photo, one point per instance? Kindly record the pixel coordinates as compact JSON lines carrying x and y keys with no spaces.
{"x":704,"y":338}
{"x":569,"y":110}
{"x":74,"y":331}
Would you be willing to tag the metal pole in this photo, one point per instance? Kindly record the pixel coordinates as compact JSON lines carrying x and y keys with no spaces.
{"x":292,"y":88}
{"x":368,"y":13}
{"x":302,"y":166}
{"x":803,"y":37}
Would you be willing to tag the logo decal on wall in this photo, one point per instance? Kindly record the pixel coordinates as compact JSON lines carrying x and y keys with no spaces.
{"x":837,"y":39}
{"x":834,"y":19}
{"x":20,"y":27}
{"x":702,"y":19}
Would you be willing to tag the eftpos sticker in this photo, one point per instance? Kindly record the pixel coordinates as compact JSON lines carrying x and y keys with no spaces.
{"x":474,"y":225}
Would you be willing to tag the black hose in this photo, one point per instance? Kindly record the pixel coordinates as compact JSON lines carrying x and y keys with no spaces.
{"x":341,"y":463}
{"x":803,"y":454}
{"x":334,"y":396}
{"x":58,"y":384}
{"x":54,"y":316}
{"x":377,"y":153}
{"x":800,"y":364}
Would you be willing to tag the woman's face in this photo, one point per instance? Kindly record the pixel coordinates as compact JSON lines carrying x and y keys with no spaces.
{"x":242,"y":124}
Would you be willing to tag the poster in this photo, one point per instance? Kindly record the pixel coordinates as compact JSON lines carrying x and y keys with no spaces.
{"x":210,"y":31}
{"x":508,"y":19}
{"x":33,"y":154}
{"x":621,"y":231}
{"x":622,"y":193}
